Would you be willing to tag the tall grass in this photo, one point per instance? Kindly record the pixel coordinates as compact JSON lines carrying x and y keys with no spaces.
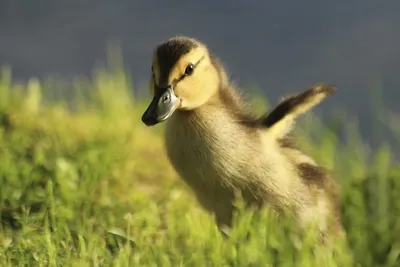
{"x":84,"y":183}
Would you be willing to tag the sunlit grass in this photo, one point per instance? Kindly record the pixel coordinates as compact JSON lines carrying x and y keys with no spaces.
{"x":84,"y":183}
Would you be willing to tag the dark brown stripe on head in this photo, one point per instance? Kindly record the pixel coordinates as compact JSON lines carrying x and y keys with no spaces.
{"x":168,"y":54}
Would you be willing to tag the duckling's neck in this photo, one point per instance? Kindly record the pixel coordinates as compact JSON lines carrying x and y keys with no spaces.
{"x":207,"y":136}
{"x":226,"y":106}
{"x":225,"y":99}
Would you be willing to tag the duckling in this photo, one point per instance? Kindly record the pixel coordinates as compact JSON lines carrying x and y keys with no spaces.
{"x":218,"y":147}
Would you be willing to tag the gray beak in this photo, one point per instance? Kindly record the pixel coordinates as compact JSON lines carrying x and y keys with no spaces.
{"x":163,"y":105}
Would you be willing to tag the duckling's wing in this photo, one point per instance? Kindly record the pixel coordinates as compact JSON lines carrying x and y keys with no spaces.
{"x":280,"y":120}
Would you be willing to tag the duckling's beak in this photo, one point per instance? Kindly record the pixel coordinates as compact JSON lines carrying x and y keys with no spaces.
{"x":163,"y":105}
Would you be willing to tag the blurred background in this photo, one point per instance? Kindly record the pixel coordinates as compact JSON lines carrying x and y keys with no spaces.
{"x":278,"y":46}
{"x":84,"y":183}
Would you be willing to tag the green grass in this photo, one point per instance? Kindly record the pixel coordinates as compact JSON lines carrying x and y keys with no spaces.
{"x":84,"y":183}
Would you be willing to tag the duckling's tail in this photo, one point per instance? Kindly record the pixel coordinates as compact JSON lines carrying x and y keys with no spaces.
{"x":280,"y":120}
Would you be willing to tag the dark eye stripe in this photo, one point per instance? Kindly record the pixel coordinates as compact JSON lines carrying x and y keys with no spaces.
{"x":194,"y":67}
{"x":163,"y":78}
{"x":168,"y":55}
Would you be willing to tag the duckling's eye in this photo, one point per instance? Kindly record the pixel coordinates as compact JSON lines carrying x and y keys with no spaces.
{"x":189,"y":69}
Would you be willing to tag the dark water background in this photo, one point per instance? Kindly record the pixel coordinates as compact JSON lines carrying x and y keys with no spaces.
{"x":280,"y":46}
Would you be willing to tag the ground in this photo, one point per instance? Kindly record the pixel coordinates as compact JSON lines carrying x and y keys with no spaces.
{"x":84,"y":183}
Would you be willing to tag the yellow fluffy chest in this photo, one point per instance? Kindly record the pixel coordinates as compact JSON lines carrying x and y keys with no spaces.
{"x":216,"y":157}
{"x":205,"y":152}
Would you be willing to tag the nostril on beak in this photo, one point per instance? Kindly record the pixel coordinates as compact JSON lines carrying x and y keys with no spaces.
{"x":166,"y":99}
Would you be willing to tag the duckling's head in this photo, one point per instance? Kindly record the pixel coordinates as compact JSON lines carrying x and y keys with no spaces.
{"x":184,"y":77}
